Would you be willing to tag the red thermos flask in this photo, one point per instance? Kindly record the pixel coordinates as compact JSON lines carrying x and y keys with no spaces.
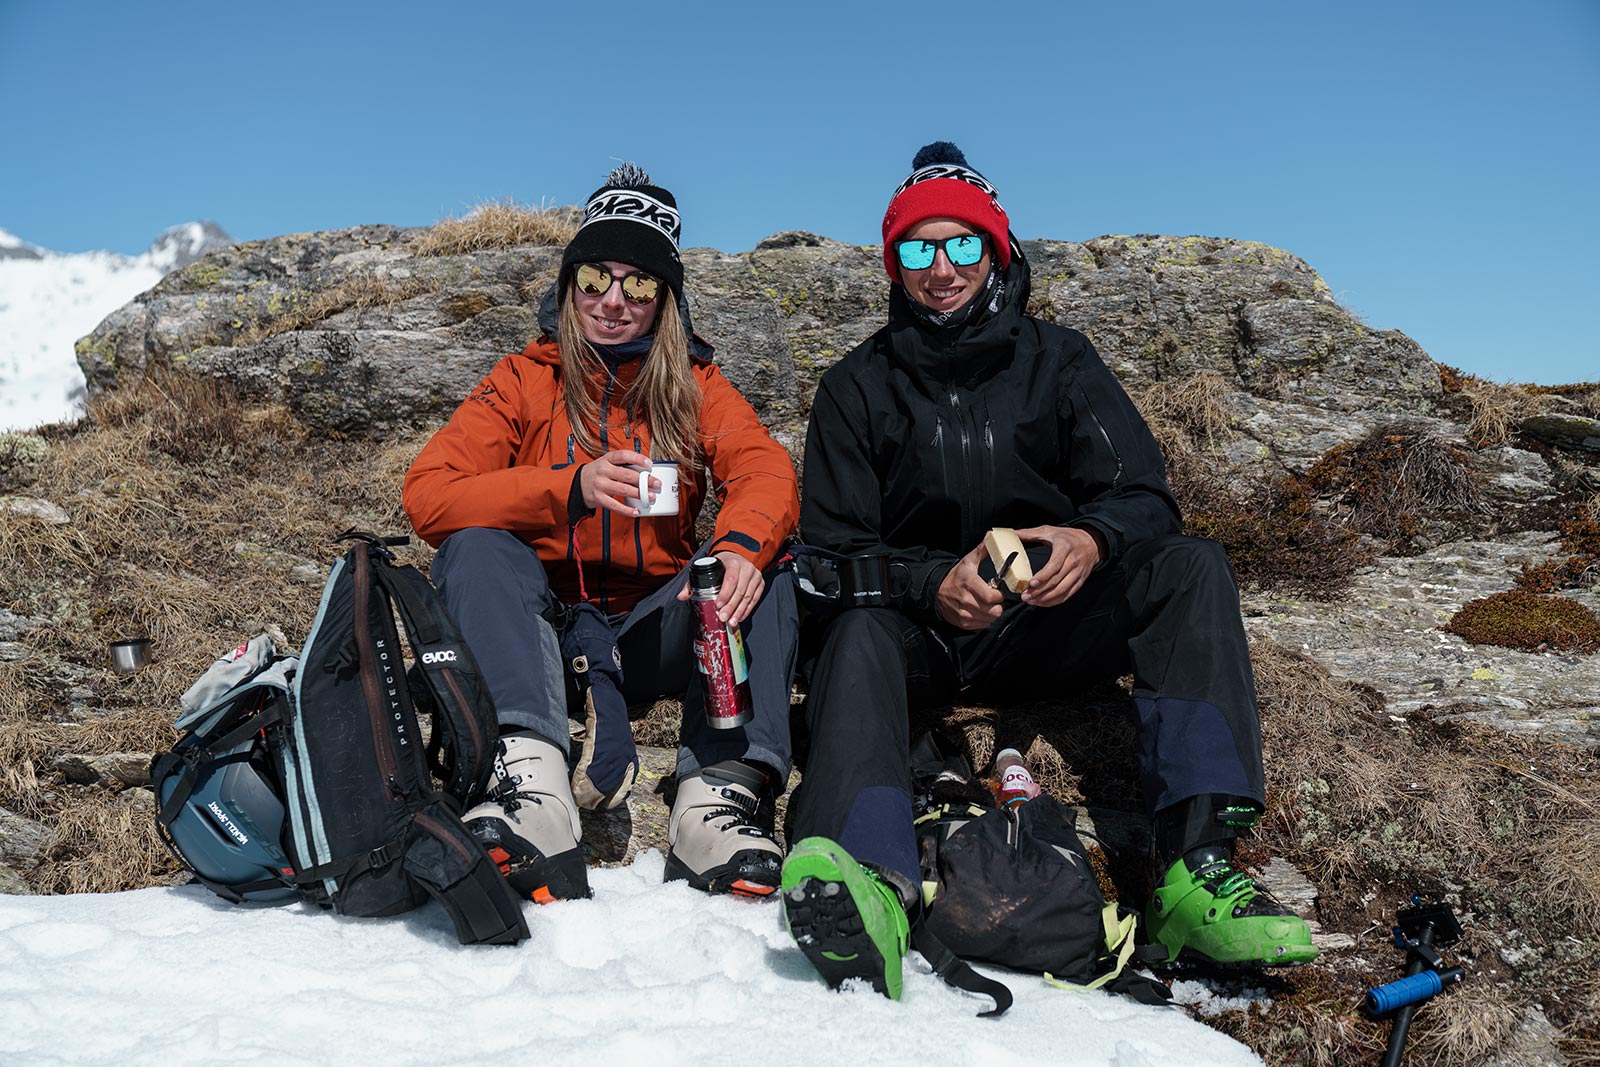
{"x":718,"y":650}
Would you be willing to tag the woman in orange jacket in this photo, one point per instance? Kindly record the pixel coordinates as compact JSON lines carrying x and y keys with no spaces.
{"x":532,"y":494}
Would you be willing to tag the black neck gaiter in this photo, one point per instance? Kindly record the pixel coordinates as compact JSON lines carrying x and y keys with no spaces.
{"x":986,"y":301}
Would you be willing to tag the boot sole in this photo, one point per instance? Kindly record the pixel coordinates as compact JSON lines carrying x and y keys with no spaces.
{"x":741,"y":878}
{"x":823,"y":919}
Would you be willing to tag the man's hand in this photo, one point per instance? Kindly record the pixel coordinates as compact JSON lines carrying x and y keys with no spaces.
{"x":608,"y":481}
{"x":742,"y":584}
{"x":1073,"y":554}
{"x":965,"y":600}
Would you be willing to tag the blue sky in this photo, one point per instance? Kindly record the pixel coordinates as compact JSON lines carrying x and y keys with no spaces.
{"x":1436,"y":162}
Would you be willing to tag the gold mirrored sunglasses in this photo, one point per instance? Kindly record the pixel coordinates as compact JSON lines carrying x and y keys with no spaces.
{"x":637,"y":287}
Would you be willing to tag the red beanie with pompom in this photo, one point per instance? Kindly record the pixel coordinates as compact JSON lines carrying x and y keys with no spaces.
{"x":943,"y":185}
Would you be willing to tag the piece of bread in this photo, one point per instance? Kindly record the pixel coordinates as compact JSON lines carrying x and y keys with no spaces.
{"x":1003,"y":544}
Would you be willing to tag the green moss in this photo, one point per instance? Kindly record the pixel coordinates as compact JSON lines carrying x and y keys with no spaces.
{"x":312,"y":368}
{"x":1518,"y":618}
{"x":103,"y":350}
{"x":201,"y":275}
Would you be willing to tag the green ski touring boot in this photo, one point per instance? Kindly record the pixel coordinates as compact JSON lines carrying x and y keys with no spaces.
{"x":1205,"y":911}
{"x":846,"y":919}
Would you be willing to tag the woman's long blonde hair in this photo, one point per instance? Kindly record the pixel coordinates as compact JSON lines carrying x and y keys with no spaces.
{"x":665,"y":392}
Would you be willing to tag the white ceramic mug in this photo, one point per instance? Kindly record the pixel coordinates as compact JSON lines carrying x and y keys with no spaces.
{"x":666,"y":501}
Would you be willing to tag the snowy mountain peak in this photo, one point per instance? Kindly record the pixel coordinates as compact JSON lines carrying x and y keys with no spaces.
{"x":182,"y":245}
{"x":14,"y":247}
{"x":50,"y":299}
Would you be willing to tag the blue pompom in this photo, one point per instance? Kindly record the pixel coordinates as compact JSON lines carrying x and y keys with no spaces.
{"x":939,"y":152}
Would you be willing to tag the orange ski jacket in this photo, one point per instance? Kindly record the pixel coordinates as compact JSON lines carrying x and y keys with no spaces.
{"x":508,"y":460}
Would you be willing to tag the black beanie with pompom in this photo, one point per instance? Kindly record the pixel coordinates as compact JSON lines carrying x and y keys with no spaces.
{"x":629,"y":220}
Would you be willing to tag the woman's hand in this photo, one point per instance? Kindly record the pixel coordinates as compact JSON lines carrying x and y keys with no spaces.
{"x":1074,"y":553}
{"x":742,"y":585}
{"x":608,"y":481}
{"x":966,"y":600}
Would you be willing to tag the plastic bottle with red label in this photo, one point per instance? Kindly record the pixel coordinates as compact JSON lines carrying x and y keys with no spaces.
{"x":718,"y":650}
{"x":1012,"y":783}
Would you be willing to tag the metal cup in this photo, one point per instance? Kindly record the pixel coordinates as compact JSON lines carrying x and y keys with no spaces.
{"x":128,"y":656}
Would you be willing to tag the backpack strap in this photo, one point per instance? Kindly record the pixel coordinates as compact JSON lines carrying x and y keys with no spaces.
{"x":447,"y":861}
{"x":1118,"y":932}
{"x":958,"y":972}
{"x":190,"y":758}
{"x":466,"y":711}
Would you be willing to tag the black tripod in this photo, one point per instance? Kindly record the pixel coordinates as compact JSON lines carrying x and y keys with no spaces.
{"x":1419,"y":929}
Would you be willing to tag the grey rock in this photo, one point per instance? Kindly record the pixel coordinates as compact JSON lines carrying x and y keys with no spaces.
{"x":44,"y":510}
{"x":139,"y":799}
{"x":79,"y":770}
{"x":409,"y":335}
{"x":23,"y":841}
{"x":1533,"y":1044}
{"x":1566,"y":430}
{"x":13,"y":626}
{"x":124,"y":768}
{"x":1317,"y":353}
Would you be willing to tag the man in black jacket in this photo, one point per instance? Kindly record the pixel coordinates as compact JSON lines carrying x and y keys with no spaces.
{"x":961,"y":415}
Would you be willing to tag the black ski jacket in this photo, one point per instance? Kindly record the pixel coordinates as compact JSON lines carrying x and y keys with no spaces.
{"x":921,"y":440}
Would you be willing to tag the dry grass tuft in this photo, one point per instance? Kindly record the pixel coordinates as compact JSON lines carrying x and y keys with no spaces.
{"x":1275,"y":534}
{"x":658,"y":726}
{"x":1195,"y":405}
{"x":1393,"y":482}
{"x":1496,"y":410}
{"x":359,"y":293}
{"x":103,"y":844}
{"x":499,"y":224}
{"x":190,"y":417}
{"x":1585,"y":396}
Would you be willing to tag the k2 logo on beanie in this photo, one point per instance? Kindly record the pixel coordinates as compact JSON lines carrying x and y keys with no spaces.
{"x":637,"y":206}
{"x":948,"y":170}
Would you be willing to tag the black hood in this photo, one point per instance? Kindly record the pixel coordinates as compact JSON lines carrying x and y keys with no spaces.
{"x":972,"y":350}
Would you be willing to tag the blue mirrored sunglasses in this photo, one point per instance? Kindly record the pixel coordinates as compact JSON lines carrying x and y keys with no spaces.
{"x":962,"y":251}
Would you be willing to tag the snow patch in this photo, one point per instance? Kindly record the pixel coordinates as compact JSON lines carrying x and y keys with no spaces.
{"x":643,"y":973}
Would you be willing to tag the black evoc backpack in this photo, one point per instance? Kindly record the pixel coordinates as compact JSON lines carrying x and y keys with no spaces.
{"x":308,"y":777}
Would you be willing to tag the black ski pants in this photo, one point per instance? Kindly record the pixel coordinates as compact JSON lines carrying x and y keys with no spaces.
{"x":1168,"y":611}
{"x":495,"y":587}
